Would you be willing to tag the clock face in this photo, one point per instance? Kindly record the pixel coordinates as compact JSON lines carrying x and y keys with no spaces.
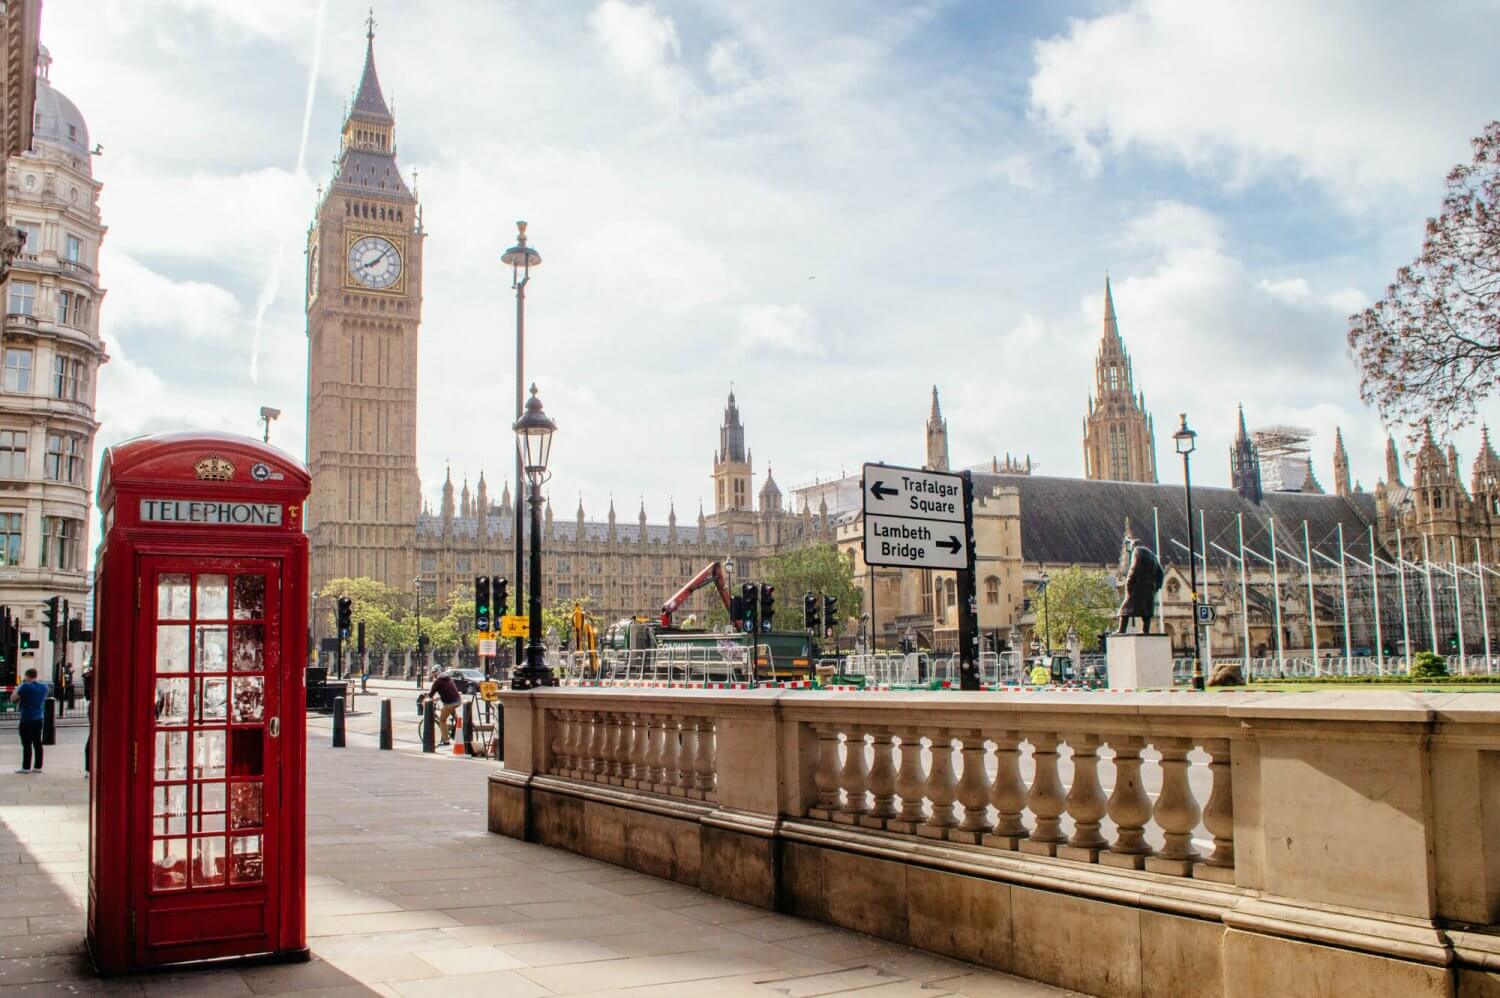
{"x":374,"y":262}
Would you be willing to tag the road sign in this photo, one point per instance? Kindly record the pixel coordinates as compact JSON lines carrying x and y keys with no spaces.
{"x":515,"y":626}
{"x":487,"y":647}
{"x":907,"y":492}
{"x":894,"y":540}
{"x":1207,"y":614}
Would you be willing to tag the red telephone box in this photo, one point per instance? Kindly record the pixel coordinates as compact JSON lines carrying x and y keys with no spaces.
{"x":197,"y":805}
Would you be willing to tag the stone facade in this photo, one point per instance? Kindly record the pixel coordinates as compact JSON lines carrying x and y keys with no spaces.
{"x":364,"y":306}
{"x":1119,"y":437}
{"x":52,"y":355}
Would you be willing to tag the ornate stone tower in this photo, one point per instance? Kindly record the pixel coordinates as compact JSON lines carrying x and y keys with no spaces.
{"x":1341,"y":484}
{"x":732,"y":465}
{"x":364,"y":304}
{"x":1119,"y":438}
{"x":937,"y":437}
{"x":1244,"y":463}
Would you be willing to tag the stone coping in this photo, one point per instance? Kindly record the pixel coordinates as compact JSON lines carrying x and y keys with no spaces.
{"x":1323,"y":705}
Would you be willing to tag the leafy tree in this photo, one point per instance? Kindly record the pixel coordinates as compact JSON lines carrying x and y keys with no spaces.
{"x":817,"y":568}
{"x":1431,"y":346}
{"x":1084,"y":601}
{"x":384,"y":611}
{"x":1428,"y":665}
{"x":559,"y":617}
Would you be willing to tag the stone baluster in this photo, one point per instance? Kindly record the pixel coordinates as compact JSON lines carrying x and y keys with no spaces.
{"x":910,"y":782}
{"x":882,"y":780}
{"x":657,"y":738}
{"x":855,"y":779}
{"x":617,"y":727}
{"x":696,"y":766}
{"x":578,"y":740}
{"x":1046,"y":798}
{"x":1086,"y":802}
{"x":973,"y":791}
{"x":588,"y":744}
{"x":605,"y":738}
{"x":1218,"y":817}
{"x":630,"y":766}
{"x":569,"y":743}
{"x":687,"y":775}
{"x":826,"y":775}
{"x":1008,"y":794}
{"x":671,"y":756}
{"x":559,"y":759}
{"x":1129,"y":807}
{"x":942,"y":788}
{"x":708,"y":757}
{"x":1177,"y":811}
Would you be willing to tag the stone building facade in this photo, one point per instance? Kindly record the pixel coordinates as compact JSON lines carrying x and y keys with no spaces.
{"x":1119,"y":437}
{"x":52,"y":352}
{"x":364,"y":308}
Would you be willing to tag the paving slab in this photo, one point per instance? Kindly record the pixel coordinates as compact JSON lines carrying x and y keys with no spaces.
{"x":409,"y":896}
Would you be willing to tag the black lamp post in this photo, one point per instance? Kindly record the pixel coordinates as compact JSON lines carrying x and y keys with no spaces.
{"x":1186,"y":441}
{"x":521,"y":258}
{"x":1046,"y":612}
{"x":534,"y":442}
{"x":416,"y":587}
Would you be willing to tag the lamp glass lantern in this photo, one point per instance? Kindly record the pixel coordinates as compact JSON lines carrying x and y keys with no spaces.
{"x":534,"y":436}
{"x":1186,"y":440}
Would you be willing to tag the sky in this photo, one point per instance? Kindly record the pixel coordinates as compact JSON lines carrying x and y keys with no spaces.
{"x":832,"y":207}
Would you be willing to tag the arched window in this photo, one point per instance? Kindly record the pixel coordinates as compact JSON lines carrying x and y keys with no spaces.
{"x":991,"y":591}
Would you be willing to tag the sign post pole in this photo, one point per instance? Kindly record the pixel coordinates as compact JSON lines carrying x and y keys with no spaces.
{"x":968,"y":604}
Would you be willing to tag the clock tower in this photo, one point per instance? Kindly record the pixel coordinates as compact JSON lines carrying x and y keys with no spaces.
{"x":364,"y":304}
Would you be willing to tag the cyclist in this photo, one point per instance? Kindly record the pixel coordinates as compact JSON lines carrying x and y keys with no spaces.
{"x":446,"y":690}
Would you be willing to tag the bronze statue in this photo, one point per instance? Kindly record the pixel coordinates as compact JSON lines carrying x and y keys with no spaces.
{"x":1142,"y":582}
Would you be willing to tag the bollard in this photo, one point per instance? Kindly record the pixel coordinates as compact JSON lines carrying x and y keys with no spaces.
{"x":499,"y":737}
{"x":468,"y":722}
{"x":429,"y":723}
{"x":49,"y":722}
{"x":338,"y":722}
{"x":386,"y":737}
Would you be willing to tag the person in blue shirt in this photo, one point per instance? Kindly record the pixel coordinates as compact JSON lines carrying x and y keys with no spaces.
{"x":32,"y":696}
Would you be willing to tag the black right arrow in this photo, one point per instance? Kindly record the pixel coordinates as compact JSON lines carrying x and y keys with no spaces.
{"x":883,"y":491}
{"x":952,"y":544}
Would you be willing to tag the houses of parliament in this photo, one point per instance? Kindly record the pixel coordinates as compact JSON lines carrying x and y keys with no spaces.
{"x":366,"y":516}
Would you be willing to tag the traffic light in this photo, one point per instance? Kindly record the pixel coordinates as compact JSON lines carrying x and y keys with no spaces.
{"x":736,"y":611}
{"x":346,"y":613}
{"x":809,"y":612}
{"x":499,"y":597}
{"x":830,"y":615}
{"x":50,"y":616}
{"x":28,"y":642}
{"x":421,"y":644}
{"x":750,"y":606}
{"x":767,"y":605}
{"x":1453,"y":641}
{"x":482,"y":603}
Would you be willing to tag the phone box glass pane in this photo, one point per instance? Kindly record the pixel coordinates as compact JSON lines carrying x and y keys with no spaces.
{"x":208,"y":861}
{"x":172,"y":648}
{"x":249,"y":699}
{"x":172,"y":592}
{"x":208,"y":755}
{"x":171,"y":702}
{"x":169,"y":864}
{"x":171,"y":755}
{"x":213,"y":649}
{"x":249,"y":597}
{"x":213,"y":597}
{"x":247,"y":862}
{"x":249,"y":647}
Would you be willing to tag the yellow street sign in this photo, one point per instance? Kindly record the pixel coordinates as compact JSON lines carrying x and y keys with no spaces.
{"x":515,"y":626}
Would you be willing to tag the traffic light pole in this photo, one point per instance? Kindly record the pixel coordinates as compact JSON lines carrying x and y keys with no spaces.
{"x":968,"y":604}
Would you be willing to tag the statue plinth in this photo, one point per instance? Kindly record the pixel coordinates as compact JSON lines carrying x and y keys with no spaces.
{"x":1138,"y":661}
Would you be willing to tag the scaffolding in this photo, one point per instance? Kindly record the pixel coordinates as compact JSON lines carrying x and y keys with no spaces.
{"x":1304,"y":604}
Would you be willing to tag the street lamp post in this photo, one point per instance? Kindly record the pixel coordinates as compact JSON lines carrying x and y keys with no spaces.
{"x":521,"y":258}
{"x":534,"y":441}
{"x":729,"y":572}
{"x":1047,"y":611}
{"x":416,"y":585}
{"x":1186,"y":441}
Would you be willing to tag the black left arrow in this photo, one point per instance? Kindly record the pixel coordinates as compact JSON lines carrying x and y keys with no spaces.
{"x":883,"y":491}
{"x":952,"y":544}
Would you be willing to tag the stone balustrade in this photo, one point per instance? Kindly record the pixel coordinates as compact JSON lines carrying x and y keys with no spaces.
{"x":660,"y":753}
{"x":1151,"y":843}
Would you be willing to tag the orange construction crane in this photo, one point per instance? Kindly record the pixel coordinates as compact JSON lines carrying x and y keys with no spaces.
{"x":713,"y":571}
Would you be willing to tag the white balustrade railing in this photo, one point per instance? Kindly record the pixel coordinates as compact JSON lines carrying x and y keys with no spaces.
{"x":664,"y":753}
{"x":1163,"y":804}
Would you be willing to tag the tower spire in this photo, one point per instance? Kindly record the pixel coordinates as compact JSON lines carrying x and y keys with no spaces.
{"x":1341,"y":484}
{"x":937,"y":436}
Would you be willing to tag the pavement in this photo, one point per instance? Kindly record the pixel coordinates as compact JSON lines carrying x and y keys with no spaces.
{"x":409,"y":895}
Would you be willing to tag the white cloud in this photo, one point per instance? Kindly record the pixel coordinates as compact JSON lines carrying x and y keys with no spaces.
{"x":1359,"y":97}
{"x":1174,"y":225}
{"x":194,"y":310}
{"x":644,"y":48}
{"x":782,"y":327}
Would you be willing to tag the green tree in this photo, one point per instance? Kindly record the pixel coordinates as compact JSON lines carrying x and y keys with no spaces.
{"x":1428,"y":665}
{"x":818,"y":569}
{"x":559,"y":617}
{"x":383,"y":610}
{"x":1084,"y":601}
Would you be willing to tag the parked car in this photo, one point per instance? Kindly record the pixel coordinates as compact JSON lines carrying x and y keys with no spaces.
{"x":467,"y":680}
